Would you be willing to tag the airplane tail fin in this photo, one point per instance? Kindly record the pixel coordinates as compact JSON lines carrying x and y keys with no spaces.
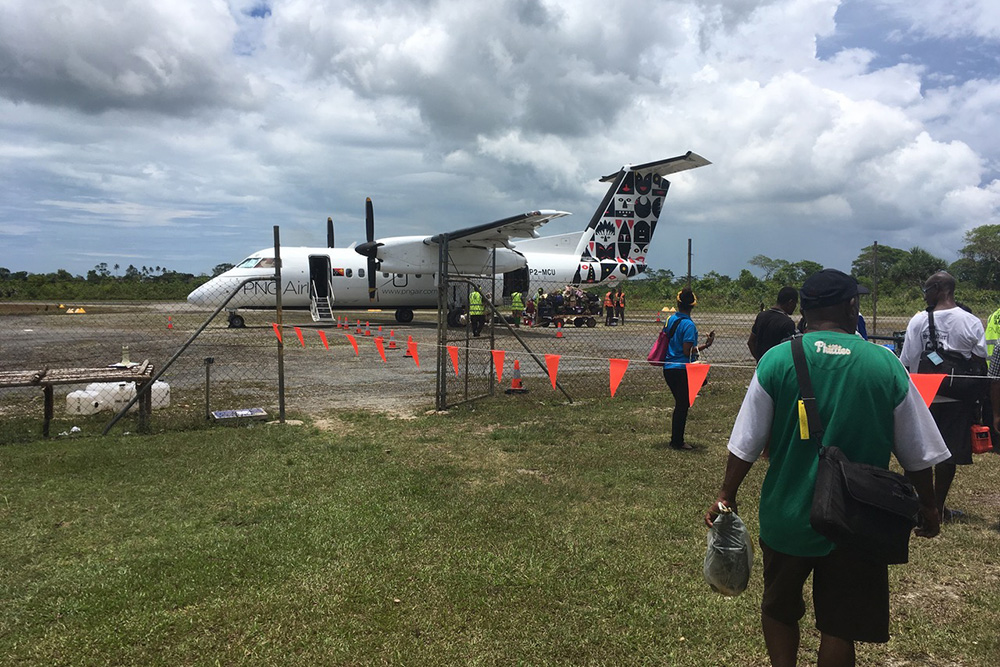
{"x":617,"y":239}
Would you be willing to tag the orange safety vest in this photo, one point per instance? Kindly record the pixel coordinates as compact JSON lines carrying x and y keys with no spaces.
{"x":621,"y":300}
{"x":609,"y":300}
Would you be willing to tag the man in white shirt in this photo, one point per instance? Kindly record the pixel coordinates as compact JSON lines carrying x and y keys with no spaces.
{"x":958,"y":331}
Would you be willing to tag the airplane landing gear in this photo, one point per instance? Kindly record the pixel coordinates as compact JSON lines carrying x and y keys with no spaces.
{"x":455,"y":317}
{"x":236,"y":321}
{"x":404,"y":315}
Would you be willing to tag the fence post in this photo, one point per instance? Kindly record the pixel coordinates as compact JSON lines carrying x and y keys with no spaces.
{"x":281,"y":344}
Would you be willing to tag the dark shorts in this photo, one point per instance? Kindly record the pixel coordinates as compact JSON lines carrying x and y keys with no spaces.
{"x":954,"y":420}
{"x":850,"y":595}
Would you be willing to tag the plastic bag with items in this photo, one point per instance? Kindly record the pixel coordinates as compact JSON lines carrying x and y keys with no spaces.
{"x":729,"y":557}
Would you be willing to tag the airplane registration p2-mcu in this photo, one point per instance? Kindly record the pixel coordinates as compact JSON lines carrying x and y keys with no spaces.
{"x":400,"y":271}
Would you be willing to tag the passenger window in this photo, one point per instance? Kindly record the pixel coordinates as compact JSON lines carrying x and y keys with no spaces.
{"x":361,"y":273}
{"x":385,"y":275}
{"x":349,"y":272}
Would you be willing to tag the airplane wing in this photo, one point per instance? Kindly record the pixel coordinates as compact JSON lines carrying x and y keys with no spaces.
{"x":497,"y":233}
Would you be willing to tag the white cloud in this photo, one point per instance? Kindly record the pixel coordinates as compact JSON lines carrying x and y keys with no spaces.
{"x":216,"y":120}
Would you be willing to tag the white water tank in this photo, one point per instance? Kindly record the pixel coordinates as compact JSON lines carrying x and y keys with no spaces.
{"x":83,"y":403}
{"x":161,"y":395}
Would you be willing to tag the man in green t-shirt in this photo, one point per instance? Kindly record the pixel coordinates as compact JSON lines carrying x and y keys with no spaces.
{"x":871,"y":410}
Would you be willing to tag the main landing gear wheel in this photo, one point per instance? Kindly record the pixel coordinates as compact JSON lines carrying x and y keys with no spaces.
{"x":404,"y":315}
{"x":236,"y":321}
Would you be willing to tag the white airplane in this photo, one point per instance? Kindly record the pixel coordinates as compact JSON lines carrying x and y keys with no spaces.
{"x":400,"y":271}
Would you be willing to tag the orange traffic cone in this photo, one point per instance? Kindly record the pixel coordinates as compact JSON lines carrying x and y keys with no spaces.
{"x":170,"y":322}
{"x":515,"y":383}
{"x":409,"y":346}
{"x":392,"y":339}
{"x":559,"y":329}
{"x":368,"y":329}
{"x":357,"y":330}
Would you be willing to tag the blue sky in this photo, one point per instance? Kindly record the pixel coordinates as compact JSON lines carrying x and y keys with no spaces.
{"x":177,"y":134}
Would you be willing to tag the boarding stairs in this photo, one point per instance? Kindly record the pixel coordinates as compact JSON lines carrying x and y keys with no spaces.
{"x":321,"y":307}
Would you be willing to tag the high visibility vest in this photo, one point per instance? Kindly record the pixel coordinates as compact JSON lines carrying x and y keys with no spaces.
{"x":516,"y":302}
{"x":621,"y":300}
{"x":609,"y":300}
{"x":476,"y":303}
{"x":992,"y":333}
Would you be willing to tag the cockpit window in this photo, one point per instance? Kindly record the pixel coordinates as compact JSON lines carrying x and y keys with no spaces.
{"x":256,"y":263}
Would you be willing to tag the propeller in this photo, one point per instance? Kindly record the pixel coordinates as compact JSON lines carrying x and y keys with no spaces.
{"x":370,"y":249}
{"x":329,"y":232}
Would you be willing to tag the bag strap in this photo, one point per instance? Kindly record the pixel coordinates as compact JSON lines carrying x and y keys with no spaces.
{"x":806,"y":391}
{"x":932,"y":343}
{"x":673,"y":328}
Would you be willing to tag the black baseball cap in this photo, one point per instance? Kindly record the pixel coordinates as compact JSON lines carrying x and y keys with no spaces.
{"x":829,"y":287}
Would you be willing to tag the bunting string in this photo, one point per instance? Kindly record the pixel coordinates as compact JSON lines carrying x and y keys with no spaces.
{"x":927,"y":384}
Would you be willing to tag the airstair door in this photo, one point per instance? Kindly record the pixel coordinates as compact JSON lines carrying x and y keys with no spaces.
{"x":320,"y":289}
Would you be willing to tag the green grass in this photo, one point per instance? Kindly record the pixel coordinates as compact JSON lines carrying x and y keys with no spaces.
{"x":511,"y":531}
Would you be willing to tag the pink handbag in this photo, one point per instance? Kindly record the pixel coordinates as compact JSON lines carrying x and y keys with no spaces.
{"x":659,"y":351}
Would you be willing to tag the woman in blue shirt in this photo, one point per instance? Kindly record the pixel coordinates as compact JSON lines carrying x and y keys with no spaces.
{"x":682,"y":349}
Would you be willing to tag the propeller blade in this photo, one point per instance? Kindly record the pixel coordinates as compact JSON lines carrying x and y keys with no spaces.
{"x":329,"y":232}
{"x":369,"y":220}
{"x":370,"y":235}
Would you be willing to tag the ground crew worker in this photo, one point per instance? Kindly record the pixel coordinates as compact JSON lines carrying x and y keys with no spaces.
{"x":516,"y":307}
{"x":609,"y":307}
{"x":989,"y":412}
{"x":620,"y":306}
{"x":476,"y":311}
{"x":992,"y":334}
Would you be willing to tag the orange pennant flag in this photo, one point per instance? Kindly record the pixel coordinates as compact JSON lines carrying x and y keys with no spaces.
{"x":322,"y":337}
{"x":927,"y":384}
{"x":354,"y":343}
{"x":381,"y":348}
{"x":298,"y":332}
{"x":411,"y":347}
{"x":552,"y":362}
{"x":277,"y":331}
{"x":453,"y":351}
{"x":696,"y":378}
{"x":618,"y":367}
{"x":498,"y":363}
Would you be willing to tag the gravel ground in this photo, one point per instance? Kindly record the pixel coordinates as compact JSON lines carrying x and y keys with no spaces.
{"x":318,"y":380}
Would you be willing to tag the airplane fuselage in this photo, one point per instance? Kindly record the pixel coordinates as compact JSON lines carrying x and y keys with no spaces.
{"x":348,"y":283}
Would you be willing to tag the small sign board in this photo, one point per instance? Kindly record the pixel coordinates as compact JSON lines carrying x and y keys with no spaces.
{"x":243,"y":413}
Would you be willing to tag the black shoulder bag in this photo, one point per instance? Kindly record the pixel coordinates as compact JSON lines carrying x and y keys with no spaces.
{"x":860,"y":507}
{"x":936,"y":359}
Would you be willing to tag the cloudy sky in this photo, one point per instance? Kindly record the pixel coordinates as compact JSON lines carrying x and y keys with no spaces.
{"x":178,"y":133}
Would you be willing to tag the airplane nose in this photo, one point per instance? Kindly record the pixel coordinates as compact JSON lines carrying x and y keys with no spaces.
{"x":197,"y":297}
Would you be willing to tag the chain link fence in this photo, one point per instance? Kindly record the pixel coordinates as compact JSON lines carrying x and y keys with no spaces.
{"x":571,"y":338}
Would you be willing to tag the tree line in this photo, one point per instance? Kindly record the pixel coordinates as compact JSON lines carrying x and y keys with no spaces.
{"x":103,"y":282}
{"x":894,"y":276}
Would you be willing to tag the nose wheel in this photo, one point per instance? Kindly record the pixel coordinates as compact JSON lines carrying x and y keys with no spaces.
{"x":236,"y":321}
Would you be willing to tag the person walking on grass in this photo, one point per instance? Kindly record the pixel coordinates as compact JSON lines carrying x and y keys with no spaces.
{"x":871,"y":410}
{"x":682,"y":350}
{"x":773,"y":325}
{"x":959,"y":331}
